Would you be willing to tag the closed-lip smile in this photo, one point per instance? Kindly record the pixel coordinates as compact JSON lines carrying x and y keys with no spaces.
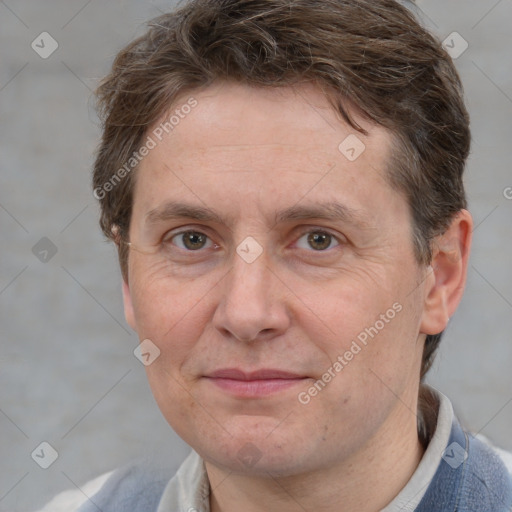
{"x":256,"y":383}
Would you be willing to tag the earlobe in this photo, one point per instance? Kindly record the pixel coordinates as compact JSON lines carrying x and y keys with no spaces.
{"x":445,"y":284}
{"x":128,"y":306}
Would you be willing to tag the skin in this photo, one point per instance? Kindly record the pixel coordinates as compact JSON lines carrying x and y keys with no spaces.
{"x":247,"y":153}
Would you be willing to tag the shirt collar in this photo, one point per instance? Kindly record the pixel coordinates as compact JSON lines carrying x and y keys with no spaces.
{"x":411,"y":495}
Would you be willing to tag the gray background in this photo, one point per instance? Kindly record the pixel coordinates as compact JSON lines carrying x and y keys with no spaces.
{"x":67,"y":372}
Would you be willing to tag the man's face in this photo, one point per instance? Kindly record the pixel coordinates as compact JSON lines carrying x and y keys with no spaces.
{"x":263,"y":160}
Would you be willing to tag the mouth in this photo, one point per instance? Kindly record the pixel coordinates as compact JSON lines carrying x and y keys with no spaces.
{"x":259,"y":383}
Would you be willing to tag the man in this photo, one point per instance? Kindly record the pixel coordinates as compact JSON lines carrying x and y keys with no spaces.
{"x":283,"y":181}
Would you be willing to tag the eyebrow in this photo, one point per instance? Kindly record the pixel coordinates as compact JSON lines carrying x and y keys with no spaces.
{"x":332,"y":211}
{"x":176,"y":210}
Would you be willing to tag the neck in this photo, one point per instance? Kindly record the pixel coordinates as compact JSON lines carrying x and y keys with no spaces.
{"x":368,"y":481}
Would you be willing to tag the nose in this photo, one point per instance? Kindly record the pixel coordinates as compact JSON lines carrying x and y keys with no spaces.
{"x":253,"y":302}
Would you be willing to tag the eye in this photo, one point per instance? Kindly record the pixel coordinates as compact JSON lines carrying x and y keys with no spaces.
{"x":190,"y":240}
{"x":318,"y":240}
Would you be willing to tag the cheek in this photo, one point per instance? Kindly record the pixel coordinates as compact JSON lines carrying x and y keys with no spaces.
{"x":170,"y":314}
{"x":372,"y":326}
{"x":349,"y":308}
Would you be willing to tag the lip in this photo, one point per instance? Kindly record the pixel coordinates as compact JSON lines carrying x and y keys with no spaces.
{"x":254,"y":384}
{"x":262,"y":374}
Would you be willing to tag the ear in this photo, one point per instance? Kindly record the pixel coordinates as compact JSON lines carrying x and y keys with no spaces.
{"x":128,"y":306}
{"x":448,"y":270}
{"x":127,"y":298}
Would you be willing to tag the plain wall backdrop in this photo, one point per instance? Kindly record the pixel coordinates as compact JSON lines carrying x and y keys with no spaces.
{"x":68,"y":375}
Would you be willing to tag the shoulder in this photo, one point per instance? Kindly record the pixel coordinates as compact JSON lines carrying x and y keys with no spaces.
{"x":488,"y":478}
{"x":135,"y":486}
{"x":471,"y":475}
{"x":505,"y":456}
{"x":71,"y":500}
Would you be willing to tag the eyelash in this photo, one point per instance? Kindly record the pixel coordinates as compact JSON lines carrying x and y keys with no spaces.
{"x":170,"y":236}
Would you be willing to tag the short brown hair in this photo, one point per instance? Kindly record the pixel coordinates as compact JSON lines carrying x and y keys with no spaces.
{"x":372,"y":54}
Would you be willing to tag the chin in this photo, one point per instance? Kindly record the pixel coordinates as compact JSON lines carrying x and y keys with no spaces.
{"x":256,"y":447}
{"x":249,"y":459}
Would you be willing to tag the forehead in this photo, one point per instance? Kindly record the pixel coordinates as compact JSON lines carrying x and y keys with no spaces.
{"x":299,"y":116}
{"x":241,"y":145}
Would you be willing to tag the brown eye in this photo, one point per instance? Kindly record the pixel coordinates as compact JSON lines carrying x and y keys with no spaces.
{"x":190,"y":240}
{"x":317,"y":240}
